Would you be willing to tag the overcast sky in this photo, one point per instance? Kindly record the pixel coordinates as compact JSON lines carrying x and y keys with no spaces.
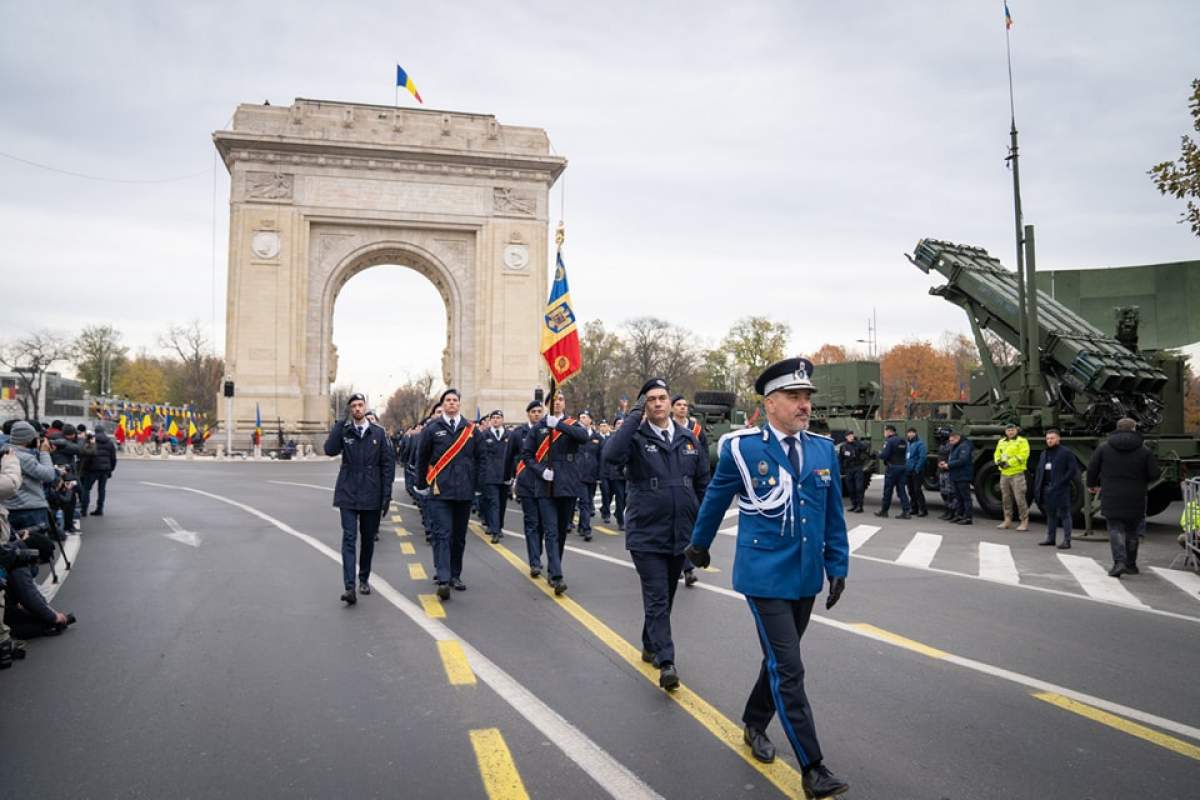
{"x":725,"y":159}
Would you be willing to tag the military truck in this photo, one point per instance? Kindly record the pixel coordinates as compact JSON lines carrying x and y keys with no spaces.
{"x":1069,"y":376}
{"x":717,"y":412}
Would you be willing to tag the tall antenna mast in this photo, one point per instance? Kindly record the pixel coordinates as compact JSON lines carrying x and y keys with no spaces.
{"x":1013,"y":160}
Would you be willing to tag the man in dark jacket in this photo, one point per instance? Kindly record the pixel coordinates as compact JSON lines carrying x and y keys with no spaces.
{"x":914,"y":472}
{"x":448,"y":474}
{"x":893,"y":456}
{"x":98,"y":462}
{"x":65,"y":454}
{"x":852,"y":461}
{"x":960,"y":464}
{"x":1057,"y":472}
{"x":525,"y":486}
{"x":493,"y":478}
{"x":551,"y":451}
{"x":668,"y":473}
{"x":589,"y":474}
{"x":1124,"y":468}
{"x":364,"y":488}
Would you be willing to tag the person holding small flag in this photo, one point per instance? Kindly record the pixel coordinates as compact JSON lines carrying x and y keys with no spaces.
{"x":448,"y":475}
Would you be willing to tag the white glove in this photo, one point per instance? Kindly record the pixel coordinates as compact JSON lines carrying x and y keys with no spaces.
{"x":552,"y":421}
{"x":421,"y":492}
{"x":548,"y":474}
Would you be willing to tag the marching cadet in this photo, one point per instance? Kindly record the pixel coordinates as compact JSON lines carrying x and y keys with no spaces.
{"x":589,"y":474}
{"x":791,"y":535}
{"x":525,"y":486}
{"x":679,"y":415}
{"x":605,"y":430}
{"x":447,"y":473}
{"x":668,"y":472}
{"x":493,"y":479}
{"x":551,"y":452}
{"x":614,"y":477}
{"x":894,"y":455}
{"x":852,"y":460}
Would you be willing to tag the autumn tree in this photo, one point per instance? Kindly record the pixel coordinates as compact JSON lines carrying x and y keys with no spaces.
{"x":30,"y":357}
{"x":98,"y":357}
{"x":409,"y":404}
{"x":965,"y":358}
{"x":915,"y":371}
{"x":1181,"y":178}
{"x":829,"y":354}
{"x":143,"y":380}
{"x":753,"y":344}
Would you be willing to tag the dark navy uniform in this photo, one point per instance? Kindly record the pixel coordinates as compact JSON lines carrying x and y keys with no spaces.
{"x":525,"y":486}
{"x":558,"y":496}
{"x":492,"y":444}
{"x":363,"y":491}
{"x":852,"y":461}
{"x":612,"y":478}
{"x":589,"y":476}
{"x":893,"y":455}
{"x":667,"y":478}
{"x":450,"y":493}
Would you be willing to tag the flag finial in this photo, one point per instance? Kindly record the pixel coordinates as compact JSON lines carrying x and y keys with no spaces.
{"x":560,"y":234}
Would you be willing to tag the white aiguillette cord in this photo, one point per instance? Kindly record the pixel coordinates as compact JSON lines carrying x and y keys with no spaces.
{"x":776,"y":503}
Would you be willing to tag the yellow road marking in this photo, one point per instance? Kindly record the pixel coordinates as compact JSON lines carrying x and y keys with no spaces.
{"x":396,"y":518}
{"x":458,"y":671}
{"x":501,"y":780}
{"x":786,"y":779}
{"x":606,"y":530}
{"x":1121,"y":724}
{"x":400,"y":531}
{"x":407,"y":549}
{"x":432,"y":606}
{"x":710,"y":569}
{"x":900,"y":641}
{"x":417,"y":572}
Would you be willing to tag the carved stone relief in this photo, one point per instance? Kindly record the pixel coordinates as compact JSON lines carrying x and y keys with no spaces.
{"x":513,"y":202}
{"x":270,"y":185}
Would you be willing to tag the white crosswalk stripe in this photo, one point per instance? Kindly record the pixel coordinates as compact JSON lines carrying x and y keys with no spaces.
{"x":1095,"y":581}
{"x":859,"y":535}
{"x":996,"y":563}
{"x":1189,"y":582}
{"x":921,"y":550}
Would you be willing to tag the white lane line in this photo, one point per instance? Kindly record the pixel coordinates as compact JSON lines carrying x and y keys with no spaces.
{"x":305,"y":485}
{"x":611,"y":775}
{"x":859,"y":534}
{"x":1188,"y":582}
{"x":1095,"y":581}
{"x":996,"y":562}
{"x":920,"y":550}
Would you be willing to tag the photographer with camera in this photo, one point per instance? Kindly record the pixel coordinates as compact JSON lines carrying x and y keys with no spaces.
{"x":28,"y":508}
{"x":65,"y":456}
{"x":10,"y":482}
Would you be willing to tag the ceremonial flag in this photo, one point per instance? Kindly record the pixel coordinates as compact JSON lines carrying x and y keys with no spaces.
{"x":147,"y":427}
{"x":403,"y":80}
{"x":257,"y":425}
{"x":120,"y":432}
{"x":191,"y":430}
{"x":1008,"y":21}
{"x":172,"y":429}
{"x":560,"y":339}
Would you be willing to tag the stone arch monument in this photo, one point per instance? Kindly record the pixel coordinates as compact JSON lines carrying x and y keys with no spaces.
{"x":321,"y":190}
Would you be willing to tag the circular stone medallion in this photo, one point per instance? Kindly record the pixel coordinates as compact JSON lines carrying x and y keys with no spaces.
{"x":265,"y":244}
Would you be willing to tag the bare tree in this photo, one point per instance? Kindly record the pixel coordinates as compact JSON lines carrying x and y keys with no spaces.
{"x":596,"y":386}
{"x":30,"y":357}
{"x":339,"y":396}
{"x":98,"y":356}
{"x":409,"y":404}
{"x":201,"y":371}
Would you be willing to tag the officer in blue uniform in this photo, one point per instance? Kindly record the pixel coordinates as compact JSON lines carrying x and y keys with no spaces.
{"x":363,"y":491}
{"x":589,"y":474}
{"x":791,"y":535}
{"x":556,"y":479}
{"x":894,"y":455}
{"x":525,"y":485}
{"x":493,"y":452}
{"x":447,"y":474}
{"x":667,"y":471}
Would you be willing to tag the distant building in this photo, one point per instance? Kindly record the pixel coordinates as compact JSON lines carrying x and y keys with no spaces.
{"x":61,"y":398}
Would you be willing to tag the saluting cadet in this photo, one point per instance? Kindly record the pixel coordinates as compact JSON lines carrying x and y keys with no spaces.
{"x":363,"y":491}
{"x":791,"y":534}
{"x":679,"y":415}
{"x":525,"y":484}
{"x":551,"y":451}
{"x":447,"y":473}
{"x":668,"y":472}
{"x":493,"y":452}
{"x":589,"y":474}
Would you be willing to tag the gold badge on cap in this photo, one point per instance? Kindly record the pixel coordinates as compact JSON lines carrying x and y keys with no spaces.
{"x":763,"y":469}
{"x":771,"y":481}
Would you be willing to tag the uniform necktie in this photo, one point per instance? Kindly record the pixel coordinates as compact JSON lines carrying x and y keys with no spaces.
{"x":793,"y":454}
{"x":663,"y":434}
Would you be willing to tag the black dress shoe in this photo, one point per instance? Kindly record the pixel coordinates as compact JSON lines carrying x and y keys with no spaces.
{"x":858,"y":510}
{"x":560,"y":587}
{"x":689,"y":578}
{"x":348,"y":597}
{"x":1067,"y":546}
{"x":606,"y":520}
{"x":443,"y":591}
{"x":760,"y":746}
{"x":1117,"y":570}
{"x":1046,"y":543}
{"x":1131,"y":569}
{"x":922,"y":513}
{"x":647,"y":656}
{"x":668,"y":678}
{"x":881,"y":514}
{"x":495,"y":538}
{"x":364,"y":587}
{"x":458,"y":585}
{"x":904,"y":515}
{"x":535,"y":572}
{"x":964,"y":521}
{"x":819,"y":782}
{"x":99,"y":512}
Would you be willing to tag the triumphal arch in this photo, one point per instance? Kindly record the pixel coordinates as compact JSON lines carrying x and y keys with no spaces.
{"x":321,"y":190}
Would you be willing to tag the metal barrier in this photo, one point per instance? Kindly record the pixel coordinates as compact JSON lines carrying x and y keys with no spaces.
{"x":1190,"y":522}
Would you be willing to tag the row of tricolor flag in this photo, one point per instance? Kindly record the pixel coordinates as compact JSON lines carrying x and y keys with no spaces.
{"x":130,"y":428}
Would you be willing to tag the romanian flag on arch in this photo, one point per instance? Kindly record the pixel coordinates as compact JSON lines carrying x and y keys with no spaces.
{"x":560,"y":339}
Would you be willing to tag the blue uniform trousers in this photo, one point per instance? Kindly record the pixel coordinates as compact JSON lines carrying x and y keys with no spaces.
{"x":659,"y":573}
{"x":556,"y":514}
{"x":780,"y":685}
{"x":606,"y":497}
{"x":449,"y":519}
{"x":856,"y":484}
{"x":535,"y":533}
{"x":587,"y":502}
{"x":894,"y":478}
{"x":618,"y":490}
{"x":361,"y":524}
{"x":493,"y":501}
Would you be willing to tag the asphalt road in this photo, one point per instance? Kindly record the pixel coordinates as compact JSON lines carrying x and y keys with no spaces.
{"x":213,"y":659}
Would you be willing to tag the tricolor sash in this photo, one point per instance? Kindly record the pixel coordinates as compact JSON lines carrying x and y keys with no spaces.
{"x":448,"y":456}
{"x":544,"y":448}
{"x":696,"y":430}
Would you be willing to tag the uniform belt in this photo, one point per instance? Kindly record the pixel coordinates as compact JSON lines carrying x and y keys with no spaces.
{"x":662,"y":483}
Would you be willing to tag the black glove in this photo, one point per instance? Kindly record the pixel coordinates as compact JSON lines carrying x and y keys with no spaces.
{"x":836,"y":587}
{"x":697,"y":555}
{"x":639,"y":407}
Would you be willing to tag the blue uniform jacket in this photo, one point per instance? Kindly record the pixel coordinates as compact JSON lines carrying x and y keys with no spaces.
{"x":526,"y":481}
{"x":778,"y":557}
{"x":666,"y":483}
{"x":460,"y":478}
{"x":608,"y":470}
{"x":589,"y":458}
{"x":563,"y":458}
{"x":492,"y":455}
{"x":894,"y":452}
{"x":1057,"y":469}
{"x":368,"y":470}
{"x":961,"y":456}
{"x":915,"y":456}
